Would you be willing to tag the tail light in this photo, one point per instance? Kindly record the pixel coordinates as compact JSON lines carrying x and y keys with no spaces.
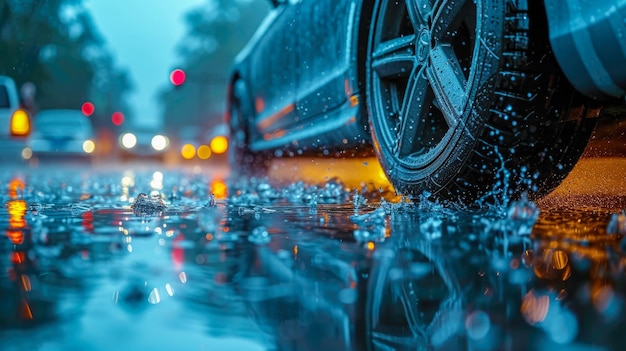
{"x":20,"y":123}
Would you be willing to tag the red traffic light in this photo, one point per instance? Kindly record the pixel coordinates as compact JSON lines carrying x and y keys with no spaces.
{"x":177,"y":77}
{"x":88,"y":108}
{"x":117,"y":118}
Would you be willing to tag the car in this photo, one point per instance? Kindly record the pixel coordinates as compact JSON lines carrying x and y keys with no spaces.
{"x":143,"y":144}
{"x":14,"y":121}
{"x":473,"y":102}
{"x":61,"y":134}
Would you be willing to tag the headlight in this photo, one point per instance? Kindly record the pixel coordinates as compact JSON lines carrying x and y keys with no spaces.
{"x":219,"y":144}
{"x":89,"y":146}
{"x":159,"y":142}
{"x":129,"y":140}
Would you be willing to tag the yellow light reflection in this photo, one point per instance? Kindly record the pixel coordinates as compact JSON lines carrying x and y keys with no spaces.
{"x":128,"y":181}
{"x":353,"y":172}
{"x":601,"y":297}
{"x":204,"y":152}
{"x":219,"y":189}
{"x":188,"y":151}
{"x":219,"y":144}
{"x":20,"y":123}
{"x":16,"y":186}
{"x":559,"y":259}
{"x":17,"y":210}
{"x":16,"y":236}
{"x":535,"y":308}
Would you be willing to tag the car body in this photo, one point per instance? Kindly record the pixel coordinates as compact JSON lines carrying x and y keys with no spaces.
{"x":61,"y":134}
{"x":14,"y":121}
{"x":143,"y":144}
{"x":454,"y":105}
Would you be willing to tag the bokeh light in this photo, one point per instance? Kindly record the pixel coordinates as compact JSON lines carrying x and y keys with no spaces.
{"x":129,"y":140}
{"x":188,"y":151}
{"x":20,"y":123}
{"x":219,"y":144}
{"x":159,"y":142}
{"x":89,"y":146}
{"x":204,"y":152}
{"x":117,"y":118}
{"x":177,"y":77}
{"x":88,"y":109}
{"x":27,"y":153}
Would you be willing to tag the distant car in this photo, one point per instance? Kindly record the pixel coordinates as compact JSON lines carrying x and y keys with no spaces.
{"x":14,"y":121}
{"x":147,"y":144}
{"x":461,"y":100}
{"x":61,"y":134}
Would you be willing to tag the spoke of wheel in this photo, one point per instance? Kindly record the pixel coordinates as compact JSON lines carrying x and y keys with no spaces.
{"x":395,"y":57}
{"x":416,"y":104}
{"x":448,"y":82}
{"x":446,"y":15}
{"x":418,"y":13}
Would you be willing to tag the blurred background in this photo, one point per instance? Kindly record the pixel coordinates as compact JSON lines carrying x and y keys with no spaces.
{"x":150,"y":76}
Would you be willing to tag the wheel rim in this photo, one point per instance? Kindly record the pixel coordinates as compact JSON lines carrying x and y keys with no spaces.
{"x":421,"y":55}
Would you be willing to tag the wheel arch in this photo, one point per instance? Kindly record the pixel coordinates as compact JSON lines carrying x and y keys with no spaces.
{"x":234,"y":77}
{"x":362,"y":40}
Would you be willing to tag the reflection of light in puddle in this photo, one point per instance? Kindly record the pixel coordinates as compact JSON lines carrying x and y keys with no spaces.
{"x":353,"y":172}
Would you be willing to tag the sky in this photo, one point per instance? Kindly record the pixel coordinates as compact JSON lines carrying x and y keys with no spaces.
{"x":142,"y":35}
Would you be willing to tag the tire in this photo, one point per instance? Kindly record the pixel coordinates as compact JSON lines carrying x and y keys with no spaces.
{"x":243,"y":161}
{"x":466,"y":101}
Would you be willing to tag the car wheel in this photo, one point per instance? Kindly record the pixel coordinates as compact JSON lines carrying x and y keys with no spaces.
{"x":242,"y":160}
{"x":466,"y":101}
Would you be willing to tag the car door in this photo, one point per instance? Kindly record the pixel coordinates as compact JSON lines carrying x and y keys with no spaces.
{"x":325,"y":56}
{"x":272,"y":70}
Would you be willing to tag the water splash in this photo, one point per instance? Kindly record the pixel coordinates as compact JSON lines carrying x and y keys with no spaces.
{"x":260,"y":191}
{"x":371,"y":226}
{"x":358,"y":200}
{"x":522,"y":216}
{"x":431,"y":228}
{"x":259,"y":236}
{"x":617,"y":224}
{"x":148,"y":205}
{"x":211,"y":202}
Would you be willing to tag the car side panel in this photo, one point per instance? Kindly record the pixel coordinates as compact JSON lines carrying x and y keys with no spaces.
{"x":325,"y":56}
{"x":271,"y":72}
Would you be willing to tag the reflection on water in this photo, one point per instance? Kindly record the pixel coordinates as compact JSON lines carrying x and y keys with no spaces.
{"x":295,"y":268}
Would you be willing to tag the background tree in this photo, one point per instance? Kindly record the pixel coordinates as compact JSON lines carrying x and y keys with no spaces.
{"x":216,"y":32}
{"x":54,"y":45}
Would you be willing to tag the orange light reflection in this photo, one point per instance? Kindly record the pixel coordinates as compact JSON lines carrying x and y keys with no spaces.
{"x":219,"y":189}
{"x":14,"y":186}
